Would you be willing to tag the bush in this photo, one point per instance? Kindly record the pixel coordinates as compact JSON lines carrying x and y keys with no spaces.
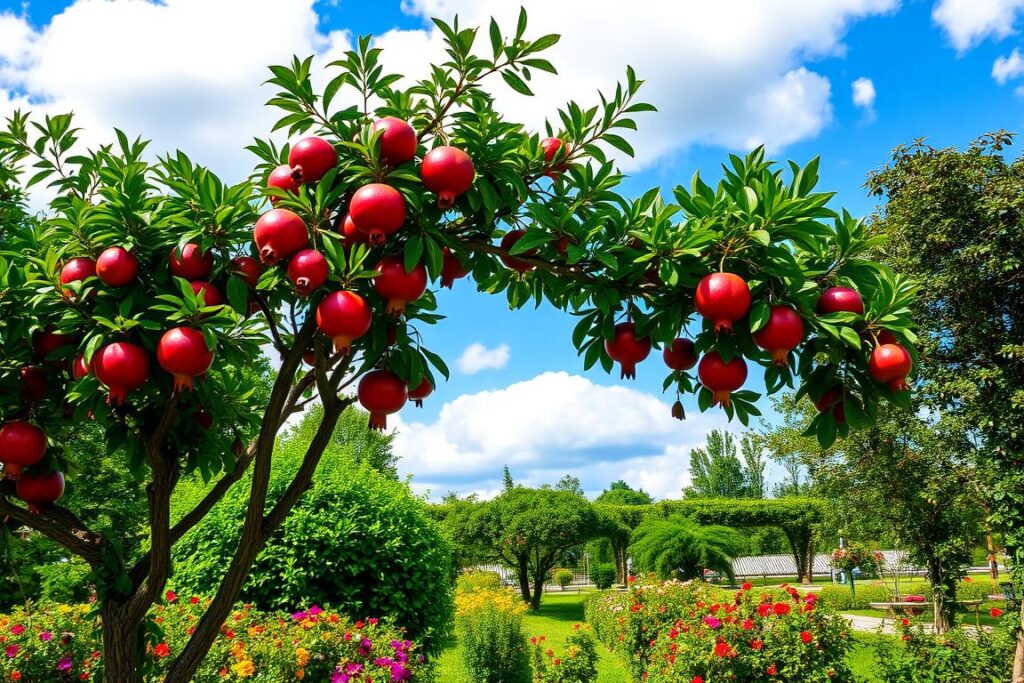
{"x":563,"y":577}
{"x":578,"y":664}
{"x":970,"y":588}
{"x":489,"y":624}
{"x":472,"y":579}
{"x":837,"y":596}
{"x":65,"y":582}
{"x":603,"y":575}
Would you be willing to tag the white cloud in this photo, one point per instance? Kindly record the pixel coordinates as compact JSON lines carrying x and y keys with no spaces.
{"x":1009,"y":67}
{"x":968,"y":22}
{"x":477,"y":357}
{"x":864,"y":96}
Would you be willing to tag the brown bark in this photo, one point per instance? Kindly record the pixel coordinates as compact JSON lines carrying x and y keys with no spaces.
{"x":1018,"y":659}
{"x":524,"y":579}
{"x":120,"y":644}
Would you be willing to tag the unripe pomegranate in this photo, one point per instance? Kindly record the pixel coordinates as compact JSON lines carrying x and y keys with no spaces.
{"x":448,"y":171}
{"x":891,"y":363}
{"x":680,"y":355}
{"x":721,"y":378}
{"x":343,"y":316}
{"x":308,"y":271}
{"x":121,"y":367}
{"x":382,"y":393}
{"x":840,"y":300}
{"x":183,"y":352}
{"x":77,"y":269}
{"x":398,"y":142}
{"x":350,"y":234}
{"x":781,"y":334}
{"x":247,"y":268}
{"x":451,"y":268}
{"x":512,"y":262}
{"x":46,"y":341}
{"x":282,"y":178}
{"x":116,"y":267}
{"x":279,"y":233}
{"x":627,"y":349}
{"x":39,"y":489}
{"x":21,"y":443}
{"x":832,"y":400}
{"x":722,"y":298}
{"x":311,"y":158}
{"x":211,"y":295}
{"x":377,"y":210}
{"x":424,"y":389}
{"x":190,"y":262}
{"x":34,"y":379}
{"x":79,"y":368}
{"x":398,"y":286}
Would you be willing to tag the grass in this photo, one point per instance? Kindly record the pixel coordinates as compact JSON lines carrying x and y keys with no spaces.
{"x":862,"y":658}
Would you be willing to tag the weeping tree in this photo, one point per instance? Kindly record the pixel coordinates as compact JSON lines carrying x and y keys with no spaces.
{"x":679,"y":547}
{"x":136,"y":300}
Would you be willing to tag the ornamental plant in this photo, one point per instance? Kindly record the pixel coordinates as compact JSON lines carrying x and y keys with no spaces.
{"x":158,"y":354}
{"x":563,"y":577}
{"x":489,"y":624}
{"x":576,"y":663}
{"x":854,"y":556}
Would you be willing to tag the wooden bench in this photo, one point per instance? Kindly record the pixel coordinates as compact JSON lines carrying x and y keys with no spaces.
{"x":907,"y":608}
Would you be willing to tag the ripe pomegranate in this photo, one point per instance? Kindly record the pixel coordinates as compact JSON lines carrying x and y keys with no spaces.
{"x":382,"y":393}
{"x":39,"y":489}
{"x":839,"y":300}
{"x":203,"y":418}
{"x":211,"y":295}
{"x":311,"y":158}
{"x":247,"y":268}
{"x":121,"y":367}
{"x":117,"y":267}
{"x":21,"y":443}
{"x":79,"y":368}
{"x":721,"y":378}
{"x":512,"y":262}
{"x":77,"y":269}
{"x":421,"y":392}
{"x":551,"y":147}
{"x":190,"y":262}
{"x":627,"y":349}
{"x":680,"y":355}
{"x":833,"y":400}
{"x":279,"y":233}
{"x":891,"y":363}
{"x":723,"y":298}
{"x":448,"y":171}
{"x":34,"y":379}
{"x":781,"y":334}
{"x":378,"y":210}
{"x":398,"y":141}
{"x":282,"y":178}
{"x":398,"y":286}
{"x":308,"y":271}
{"x":451,"y":269}
{"x":887,"y":337}
{"x":10,"y":471}
{"x":343,"y":316}
{"x":183,"y":352}
{"x":46,"y":341}
{"x":350,"y":234}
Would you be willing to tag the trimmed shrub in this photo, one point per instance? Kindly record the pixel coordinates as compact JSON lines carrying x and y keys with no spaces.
{"x":837,"y":596}
{"x":603,"y":575}
{"x":563,"y":577}
{"x":577,"y":664}
{"x":489,"y":624}
{"x":970,"y":588}
{"x":472,"y":579}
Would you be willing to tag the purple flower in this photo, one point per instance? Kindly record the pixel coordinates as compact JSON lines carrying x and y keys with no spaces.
{"x":353,"y":668}
{"x":64,"y":664}
{"x":713,"y":622}
{"x":45,"y":636}
{"x":299,"y":616}
{"x":364,"y":647}
{"x":338,"y":677}
{"x":12,"y":651}
{"x":315,"y":610}
{"x":400,"y":673}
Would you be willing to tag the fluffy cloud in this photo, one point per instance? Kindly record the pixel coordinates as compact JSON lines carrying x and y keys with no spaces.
{"x":968,"y":22}
{"x":1008,"y":68}
{"x":477,"y":357}
{"x":864,"y":96}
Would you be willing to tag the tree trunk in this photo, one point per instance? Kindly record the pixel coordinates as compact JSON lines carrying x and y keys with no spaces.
{"x":993,"y":565}
{"x":1018,"y":659}
{"x":120,"y":645}
{"x":524,"y":580}
{"x":808,"y":576}
{"x":943,"y":603}
{"x":538,"y":590}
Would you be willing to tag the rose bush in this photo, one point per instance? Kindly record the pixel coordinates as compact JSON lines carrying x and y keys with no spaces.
{"x":576,"y":664}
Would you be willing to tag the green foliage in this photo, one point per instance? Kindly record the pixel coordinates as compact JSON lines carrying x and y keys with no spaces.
{"x":65,"y":582}
{"x":489,"y":625}
{"x":478,"y":579}
{"x":563,"y":577}
{"x":839,"y":597}
{"x":577,"y":664}
{"x":716,"y":470}
{"x":678,"y":547}
{"x":958,"y":656}
{"x":621,"y":493}
{"x":602,"y":575}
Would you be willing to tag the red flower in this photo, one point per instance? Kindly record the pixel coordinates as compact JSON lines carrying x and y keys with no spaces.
{"x":905,"y":621}
{"x":697,"y":679}
{"x":757,"y":644}
{"x":162,"y":650}
{"x":171,"y":596}
{"x":194,"y":600}
{"x":806,"y":637}
{"x":723,"y":649}
{"x":764,"y":609}
{"x":556,"y":661}
{"x":772,"y":670}
{"x":995,"y":612}
{"x":747,"y":624}
{"x":16,"y":676}
{"x":747,"y":586}
{"x":781,"y":608}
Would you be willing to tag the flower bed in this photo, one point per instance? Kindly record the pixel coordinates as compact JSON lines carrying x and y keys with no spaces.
{"x":489,"y":624}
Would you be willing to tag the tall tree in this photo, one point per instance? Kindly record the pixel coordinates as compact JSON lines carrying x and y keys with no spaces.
{"x":571,"y":484}
{"x":615,"y":543}
{"x":507,"y":483}
{"x":753,"y":465}
{"x":716,"y":470}
{"x":678,"y":547}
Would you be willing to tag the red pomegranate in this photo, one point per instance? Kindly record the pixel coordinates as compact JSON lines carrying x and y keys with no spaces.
{"x":397,"y":142}
{"x":190,"y":262}
{"x":39,"y":489}
{"x":627,"y":349}
{"x":398,"y":286}
{"x":451,"y":268}
{"x":721,"y":378}
{"x":350,"y":234}
{"x":46,"y":341}
{"x":311,"y":158}
{"x":552,"y":147}
{"x":512,"y":262}
{"x":723,"y":298}
{"x":377,"y":210}
{"x":34,"y":379}
{"x":308,"y":271}
{"x":781,"y":334}
{"x":282,"y":178}
{"x":211,"y":295}
{"x":448,"y":171}
{"x":891,"y":363}
{"x":10,"y":471}
{"x":79,"y":368}
{"x":886,"y":337}
{"x":117,"y":267}
{"x":77,"y":269}
{"x":833,"y":400}
{"x":247,"y":268}
{"x":21,"y":443}
{"x":279,"y":233}
{"x":840,"y":300}
{"x":344,"y":316}
{"x":121,"y":367}
{"x":203,"y":418}
{"x":183,"y":352}
{"x":382,"y":393}
{"x":421,"y":392}
{"x":680,"y":355}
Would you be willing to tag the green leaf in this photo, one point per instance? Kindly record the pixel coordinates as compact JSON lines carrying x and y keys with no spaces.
{"x":760,"y":312}
{"x":516,"y":83}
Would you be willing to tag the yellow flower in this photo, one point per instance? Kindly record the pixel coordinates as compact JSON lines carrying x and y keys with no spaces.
{"x":64,"y":609}
{"x":302,"y":655}
{"x":238,"y":650}
{"x":244,"y":668}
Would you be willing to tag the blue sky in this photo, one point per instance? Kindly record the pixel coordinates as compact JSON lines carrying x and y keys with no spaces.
{"x":725,"y":76}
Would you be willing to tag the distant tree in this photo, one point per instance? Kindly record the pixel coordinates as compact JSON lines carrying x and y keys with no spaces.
{"x":361,"y":445}
{"x":614,"y":545}
{"x":679,"y":547}
{"x":621,"y":493}
{"x":507,"y":483}
{"x":570,"y":484}
{"x":753,"y":465}
{"x":716,"y":470}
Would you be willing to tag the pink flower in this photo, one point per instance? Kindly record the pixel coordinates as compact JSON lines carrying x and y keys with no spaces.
{"x":713,"y":622}
{"x":17,"y":629}
{"x":45,"y":636}
{"x":12,"y":651}
{"x":64,"y":664}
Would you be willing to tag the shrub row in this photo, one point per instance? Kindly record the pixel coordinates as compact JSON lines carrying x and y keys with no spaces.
{"x":959,"y":656}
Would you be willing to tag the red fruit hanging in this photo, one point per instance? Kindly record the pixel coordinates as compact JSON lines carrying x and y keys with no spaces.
{"x":840,"y":300}
{"x":279,"y":233}
{"x":424,"y":389}
{"x":10,"y":471}
{"x":190,"y":262}
{"x":350,"y":234}
{"x":183,"y":352}
{"x":627,"y":349}
{"x":451,"y":268}
{"x":21,"y":443}
{"x":311,"y":158}
{"x":47,"y":341}
{"x":781,"y":334}
{"x":203,"y":418}
{"x":37,"y":490}
{"x":398,"y":141}
{"x":308,"y":271}
{"x":377,"y":210}
{"x":552,"y":147}
{"x":449,"y":172}
{"x":721,"y":378}
{"x":121,"y":367}
{"x":345,"y":317}
{"x":891,"y":363}
{"x":722,"y":298}
{"x":77,"y":269}
{"x":282,"y":178}
{"x":34,"y":379}
{"x":398,"y":286}
{"x":512,"y":262}
{"x":680,"y":355}
{"x":116,"y":267}
{"x":211,"y":295}
{"x":247,"y":268}
{"x":79,"y":368}
{"x":382,"y":393}
{"x":886,"y":337}
{"x":832,"y":400}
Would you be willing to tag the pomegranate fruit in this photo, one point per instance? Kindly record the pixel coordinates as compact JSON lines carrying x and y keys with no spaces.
{"x":381,"y":393}
{"x":378,"y":210}
{"x":840,"y":300}
{"x":552,"y":147}
{"x":211,"y":295}
{"x":398,"y":286}
{"x":183,"y":352}
{"x":190,"y":262}
{"x":121,"y":367}
{"x":79,"y":368}
{"x":282,"y":178}
{"x":680,"y":355}
{"x":891,"y":363}
{"x":350,"y":234}
{"x":886,"y":337}
{"x":279,"y":233}
{"x":116,"y":267}
{"x":21,"y":443}
{"x":37,"y":490}
{"x":344,"y":316}
{"x":247,"y":268}
{"x":397,"y":142}
{"x":721,"y":378}
{"x":308,"y":271}
{"x":781,"y":334}
{"x":203,"y":418}
{"x":424,"y":389}
{"x":46,"y":341}
{"x":10,"y":470}
{"x":77,"y":269}
{"x":627,"y":349}
{"x":832,"y":400}
{"x":451,"y":268}
{"x":722,"y":298}
{"x":34,"y":379}
{"x":512,"y":262}
{"x":311,"y":158}
{"x":449,"y":172}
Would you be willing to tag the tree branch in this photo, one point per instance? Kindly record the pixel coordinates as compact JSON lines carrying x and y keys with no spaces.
{"x":58,"y":524}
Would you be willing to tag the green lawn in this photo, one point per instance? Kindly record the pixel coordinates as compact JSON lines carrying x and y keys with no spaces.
{"x":862,"y":658}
